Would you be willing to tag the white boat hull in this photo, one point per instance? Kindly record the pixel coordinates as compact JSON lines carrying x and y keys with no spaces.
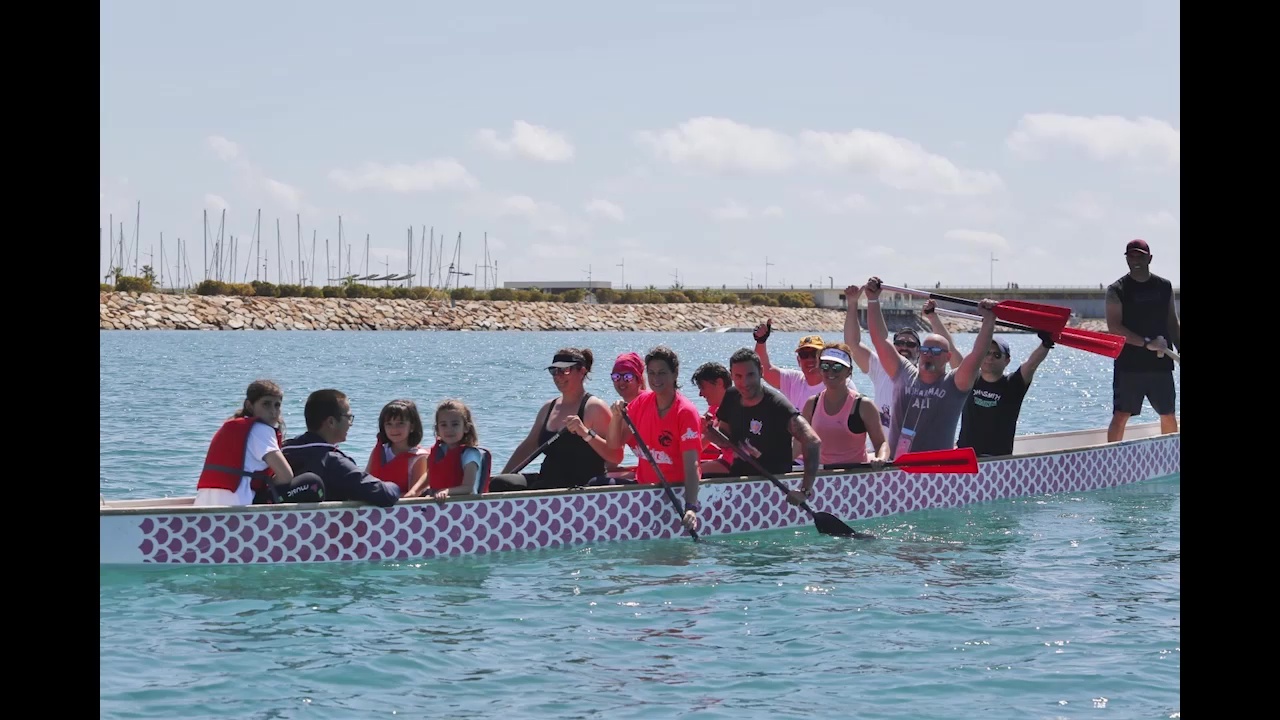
{"x":173,"y":531}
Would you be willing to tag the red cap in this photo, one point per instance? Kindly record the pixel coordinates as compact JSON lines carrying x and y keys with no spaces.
{"x":1139,"y":245}
{"x":629,"y":362}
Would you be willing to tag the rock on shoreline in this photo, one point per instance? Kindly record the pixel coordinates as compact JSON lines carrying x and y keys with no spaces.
{"x":157,"y":311}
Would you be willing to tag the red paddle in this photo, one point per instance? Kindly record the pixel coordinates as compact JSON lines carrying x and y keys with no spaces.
{"x":1102,"y":343}
{"x":1050,"y":318}
{"x":953,"y":460}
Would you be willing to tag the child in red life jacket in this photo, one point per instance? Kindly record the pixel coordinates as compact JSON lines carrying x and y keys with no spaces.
{"x":244,"y":455}
{"x":398,"y":457}
{"x":455,"y":466}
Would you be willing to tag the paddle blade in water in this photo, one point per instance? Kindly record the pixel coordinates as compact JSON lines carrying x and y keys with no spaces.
{"x":1050,"y":318}
{"x":829,"y":524}
{"x":954,"y":460}
{"x":1092,"y":341}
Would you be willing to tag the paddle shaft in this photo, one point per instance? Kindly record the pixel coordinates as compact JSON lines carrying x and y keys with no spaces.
{"x":932,"y":295}
{"x":834,"y":525}
{"x":971,"y":316}
{"x":541,"y":449}
{"x":662,"y":480}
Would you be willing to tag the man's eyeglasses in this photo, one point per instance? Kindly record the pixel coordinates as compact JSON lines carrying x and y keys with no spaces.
{"x":830,"y":367}
{"x":348,"y":417}
{"x":621,"y":377}
{"x":930,"y":350}
{"x":806,"y":353}
{"x":906,"y":344}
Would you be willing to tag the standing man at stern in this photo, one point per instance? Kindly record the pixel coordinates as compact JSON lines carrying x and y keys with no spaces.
{"x":1140,"y":307}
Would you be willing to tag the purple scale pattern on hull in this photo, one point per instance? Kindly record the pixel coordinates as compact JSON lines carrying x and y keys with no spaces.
{"x":521,"y":523}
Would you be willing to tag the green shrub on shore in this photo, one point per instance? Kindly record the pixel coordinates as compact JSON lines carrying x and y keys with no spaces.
{"x":603,"y":296}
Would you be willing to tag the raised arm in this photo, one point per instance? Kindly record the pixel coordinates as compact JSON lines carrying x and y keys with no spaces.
{"x":890,"y":360}
{"x":768,"y":372}
{"x":1037,"y":356}
{"x":853,"y":329}
{"x":968,"y":370}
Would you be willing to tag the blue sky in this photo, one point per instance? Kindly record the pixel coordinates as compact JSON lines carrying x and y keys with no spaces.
{"x":820,"y":142}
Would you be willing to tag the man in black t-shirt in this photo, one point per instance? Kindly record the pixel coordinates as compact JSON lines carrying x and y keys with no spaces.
{"x":760,"y":418}
{"x":989,"y":420}
{"x":1140,"y":307}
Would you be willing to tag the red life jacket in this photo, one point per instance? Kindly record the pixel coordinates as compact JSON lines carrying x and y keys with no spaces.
{"x":397,"y":470}
{"x":224,"y":462}
{"x":444,"y":468}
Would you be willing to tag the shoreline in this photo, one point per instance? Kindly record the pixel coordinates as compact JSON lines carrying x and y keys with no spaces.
{"x":157,"y":311}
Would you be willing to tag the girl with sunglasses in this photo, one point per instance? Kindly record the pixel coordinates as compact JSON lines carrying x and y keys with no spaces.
{"x":840,"y":417}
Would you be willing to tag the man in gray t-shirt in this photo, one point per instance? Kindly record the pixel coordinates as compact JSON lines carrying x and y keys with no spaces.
{"x":928,"y":398}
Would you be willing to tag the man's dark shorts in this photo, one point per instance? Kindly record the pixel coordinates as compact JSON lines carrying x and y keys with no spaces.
{"x":1128,"y":389}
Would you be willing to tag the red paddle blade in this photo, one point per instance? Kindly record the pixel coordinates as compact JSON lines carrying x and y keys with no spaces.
{"x":1092,"y":341}
{"x":1050,"y":318}
{"x":955,"y":460}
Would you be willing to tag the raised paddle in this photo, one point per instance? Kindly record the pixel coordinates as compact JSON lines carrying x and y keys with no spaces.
{"x":1102,"y":343}
{"x":826,"y":523}
{"x":541,"y":449}
{"x":662,"y":480}
{"x":953,"y":460}
{"x":1050,"y":318}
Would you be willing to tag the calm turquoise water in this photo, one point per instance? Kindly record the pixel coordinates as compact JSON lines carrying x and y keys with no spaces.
{"x":1058,"y":606}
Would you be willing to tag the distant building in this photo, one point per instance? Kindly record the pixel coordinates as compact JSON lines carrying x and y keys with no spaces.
{"x":558,"y":286}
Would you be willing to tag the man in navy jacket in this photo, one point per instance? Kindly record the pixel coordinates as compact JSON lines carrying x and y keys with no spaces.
{"x":329,"y":417}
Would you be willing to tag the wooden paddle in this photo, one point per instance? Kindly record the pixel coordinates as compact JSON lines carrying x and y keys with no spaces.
{"x":826,"y":523}
{"x":1050,"y":318}
{"x":662,"y":480}
{"x":1102,"y":343}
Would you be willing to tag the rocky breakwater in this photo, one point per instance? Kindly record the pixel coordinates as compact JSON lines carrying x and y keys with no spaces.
{"x":155,"y":311}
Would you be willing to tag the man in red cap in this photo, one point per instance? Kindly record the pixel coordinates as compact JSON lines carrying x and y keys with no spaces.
{"x":1140,"y":307}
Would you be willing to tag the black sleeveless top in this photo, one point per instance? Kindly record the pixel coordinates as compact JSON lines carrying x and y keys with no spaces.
{"x":569,"y":461}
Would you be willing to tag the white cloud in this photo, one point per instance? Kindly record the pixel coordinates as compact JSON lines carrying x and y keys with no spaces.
{"x":215,"y":202}
{"x":1161,"y":219}
{"x":1103,"y":137}
{"x":1085,"y":206}
{"x":534,"y":142}
{"x":288,"y":196}
{"x":606,"y":209}
{"x":977,"y":237}
{"x":721,"y":144}
{"x":733,"y":210}
{"x":540,"y":215}
{"x":226,"y":150}
{"x":840,"y":205}
{"x":897,"y":162}
{"x":428,"y":176}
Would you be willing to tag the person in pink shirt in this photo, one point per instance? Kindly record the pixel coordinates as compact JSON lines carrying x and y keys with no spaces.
{"x":843,"y":419}
{"x":669,"y":424}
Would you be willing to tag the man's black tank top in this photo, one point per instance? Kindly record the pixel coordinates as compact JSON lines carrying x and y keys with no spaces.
{"x":569,"y":461}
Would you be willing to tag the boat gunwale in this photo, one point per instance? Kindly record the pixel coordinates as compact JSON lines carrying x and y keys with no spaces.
{"x":180,"y":504}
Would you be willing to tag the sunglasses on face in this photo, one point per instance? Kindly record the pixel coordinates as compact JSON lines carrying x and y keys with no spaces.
{"x":621,"y":377}
{"x":806,"y":354}
{"x":830,"y":367}
{"x":906,"y":343}
{"x":995,"y":354}
{"x":935,"y":351}
{"x":560,"y":371}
